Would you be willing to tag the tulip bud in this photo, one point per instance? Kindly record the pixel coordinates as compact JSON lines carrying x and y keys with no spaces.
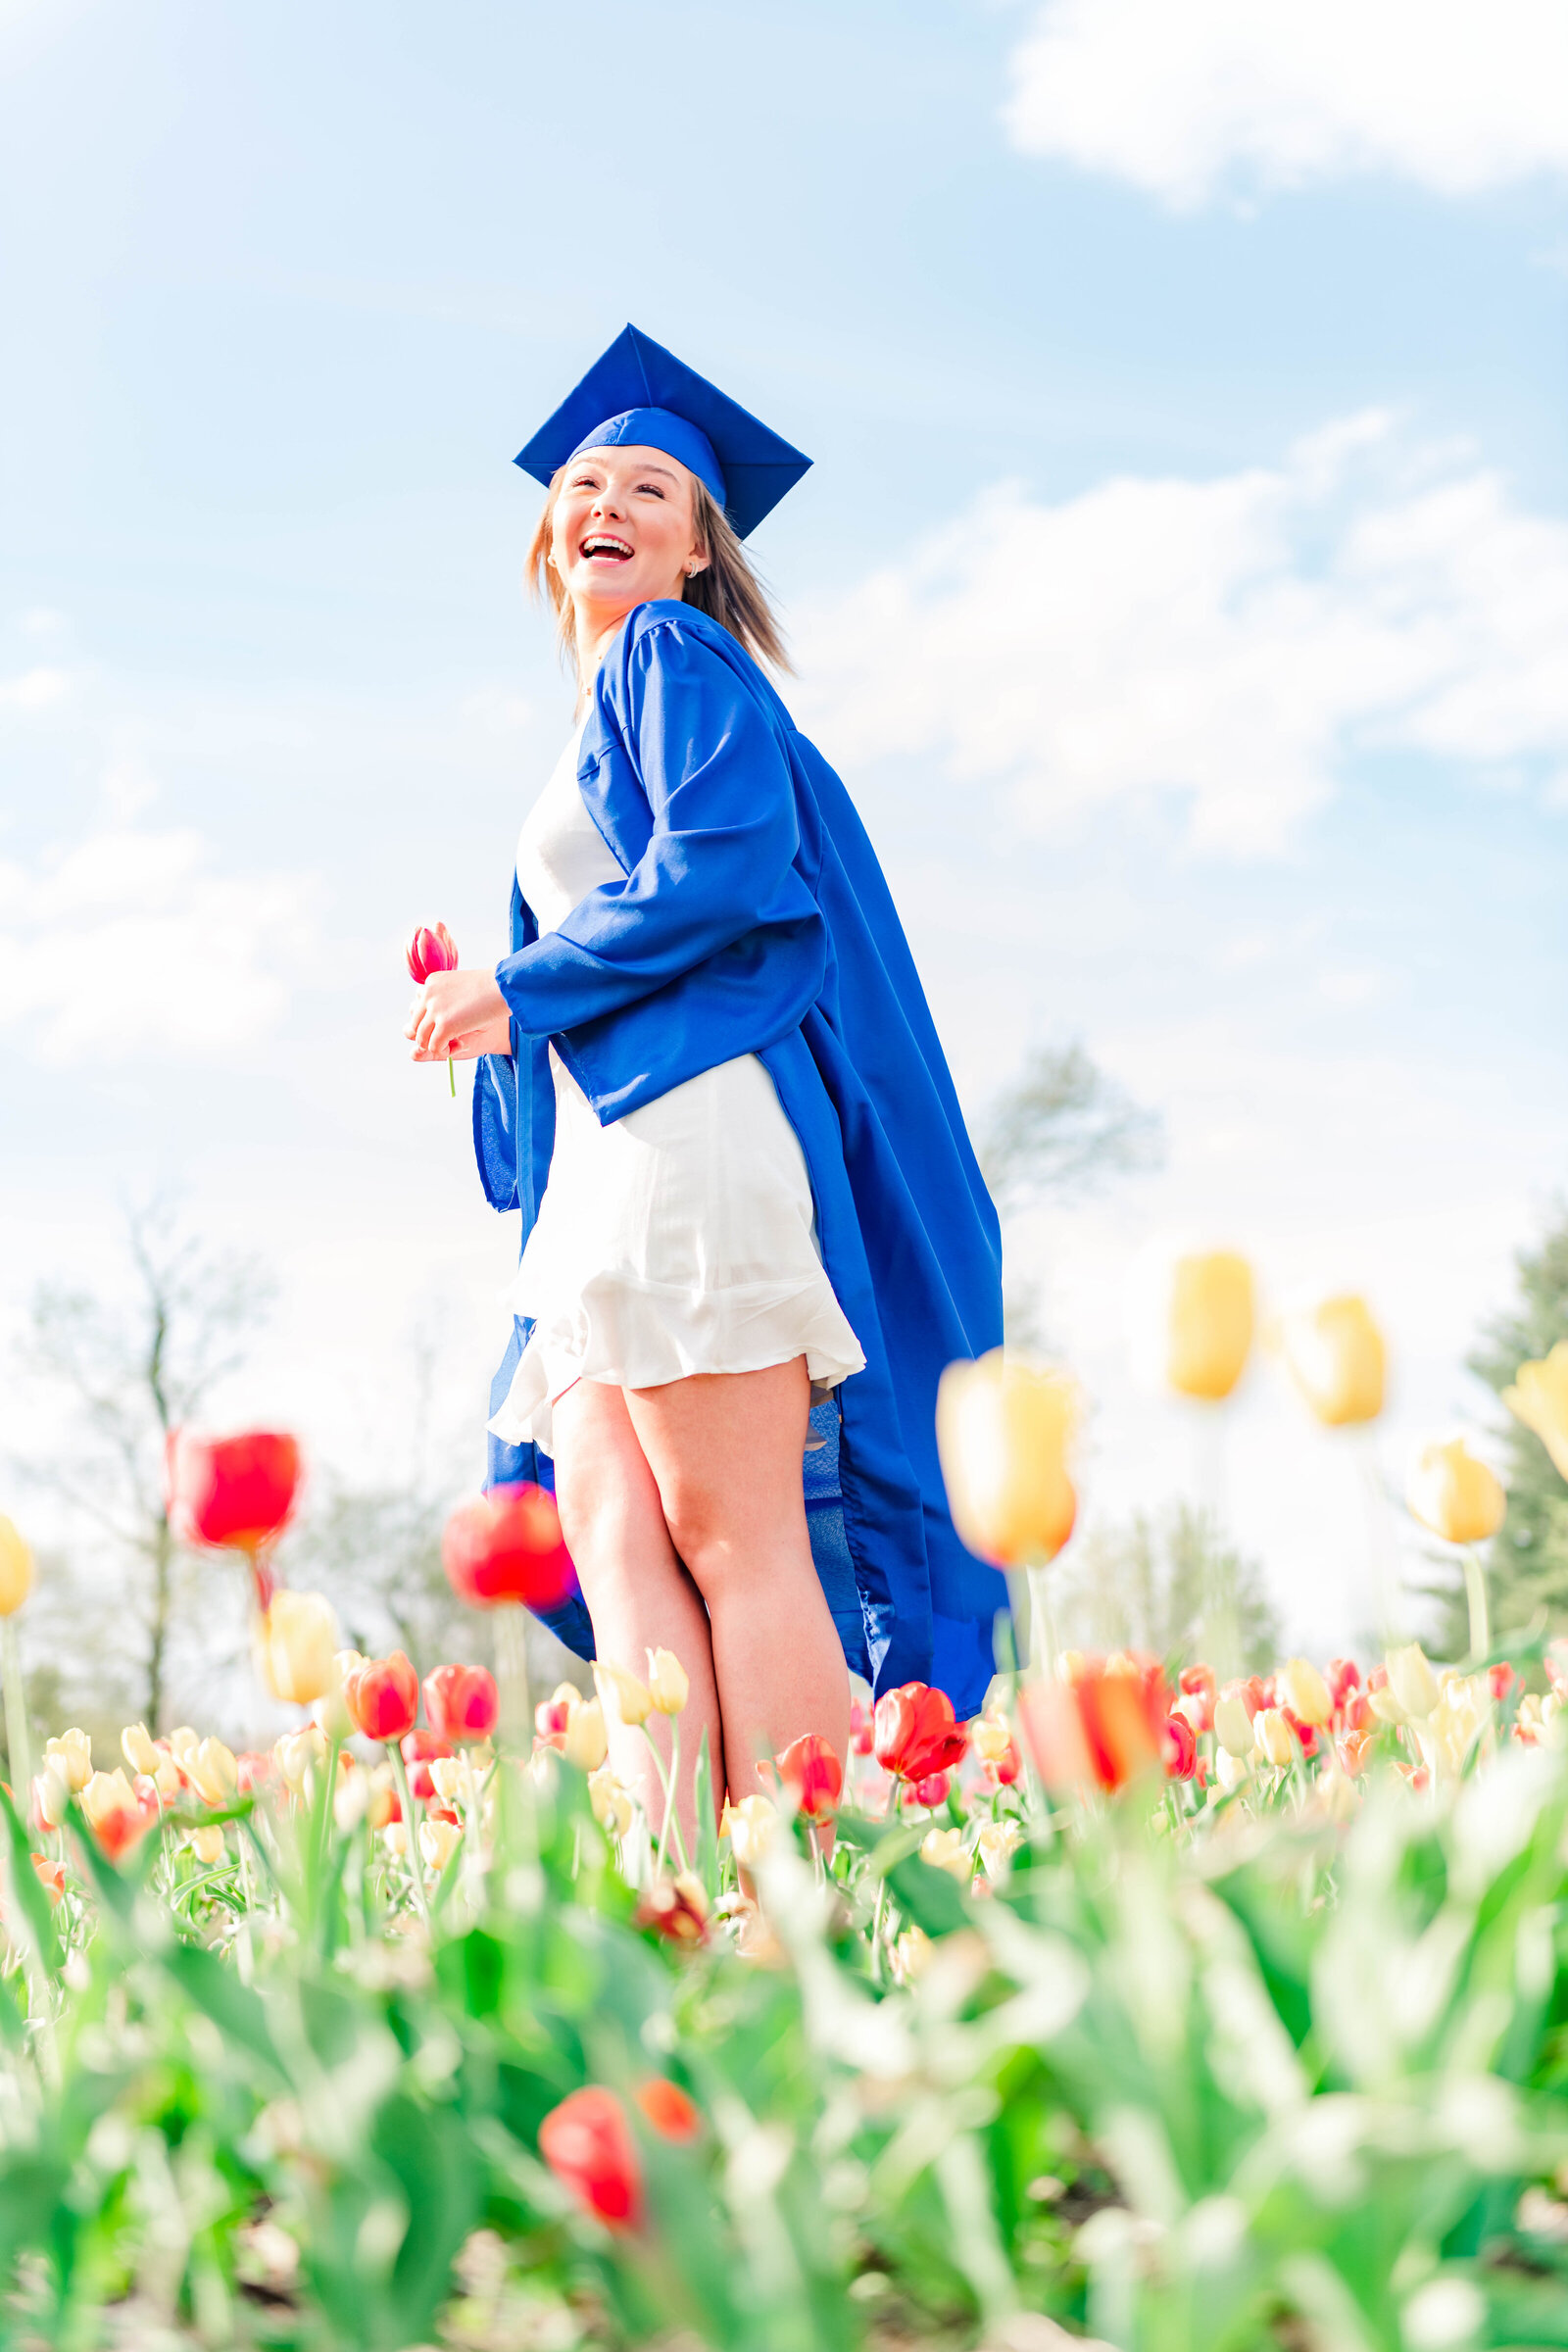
{"x":1305,"y":1691}
{"x":51,"y":1877}
{"x":1272,"y":1736}
{"x":430,"y":950}
{"x":140,"y":1749}
{"x":943,"y":1849}
{"x":1180,"y":1743}
{"x":1353,"y":1753}
{"x":213,"y":1773}
{"x":1004,"y":1430}
{"x":611,"y":1802}
{"x":1411,"y":1683}
{"x":1209,"y":1318}
{"x":233,"y":1490}
{"x":1455,"y":1494}
{"x":583,"y":1742}
{"x":588,"y":2145}
{"x":51,"y":1795}
{"x":15,"y":1568}
{"x":439,"y":1841}
{"x":668,"y":1684}
{"x":1539,"y":1397}
{"x":751,"y":1827}
{"x":383,"y":1696}
{"x":1233,"y":1726}
{"x":298,"y":1754}
{"x":507,"y":1546}
{"x":1229,"y":1769}
{"x":462,"y":1702}
{"x":996,"y":1844}
{"x":911,"y":1955}
{"x":916,"y":1733}
{"x":553,"y":1714}
{"x":623,"y":1698}
{"x":73,"y":1753}
{"x":1198,"y":1684}
{"x":1337,"y":1358}
{"x":668,"y":2110}
{"x":809,"y":1769}
{"x":296,"y":1641}
{"x":209,"y":1843}
{"x":119,"y":1812}
{"x":449,"y":1778}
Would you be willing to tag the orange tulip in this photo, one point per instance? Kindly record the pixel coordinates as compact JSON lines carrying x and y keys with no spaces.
{"x":119,"y":1812}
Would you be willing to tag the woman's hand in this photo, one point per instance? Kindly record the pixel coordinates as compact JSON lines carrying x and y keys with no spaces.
{"x":457,"y":1016}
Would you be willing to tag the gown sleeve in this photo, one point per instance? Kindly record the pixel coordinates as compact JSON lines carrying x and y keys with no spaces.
{"x":717,"y":864}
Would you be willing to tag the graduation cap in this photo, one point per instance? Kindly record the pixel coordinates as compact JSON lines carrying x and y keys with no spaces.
{"x":639,"y":395}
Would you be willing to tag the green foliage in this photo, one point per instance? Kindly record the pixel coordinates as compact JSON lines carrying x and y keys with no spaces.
{"x":1171,"y":1584}
{"x":1527,"y":1561}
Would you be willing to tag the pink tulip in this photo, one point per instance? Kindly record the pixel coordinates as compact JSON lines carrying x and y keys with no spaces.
{"x":430,"y":952}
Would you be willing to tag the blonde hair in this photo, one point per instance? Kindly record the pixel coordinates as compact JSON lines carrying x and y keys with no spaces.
{"x":727,"y":588}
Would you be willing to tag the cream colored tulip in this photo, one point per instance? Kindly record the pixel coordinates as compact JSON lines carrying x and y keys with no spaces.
{"x":16,"y":1567}
{"x":1229,"y":1769}
{"x":1455,"y":1494}
{"x":298,"y":1754}
{"x":991,"y":1737}
{"x":611,"y":1803}
{"x":1305,"y":1693}
{"x":668,"y":1684}
{"x":439,"y":1840}
{"x":1274,"y":1739}
{"x":298,"y":1639}
{"x":751,"y":1827}
{"x":1004,"y":1433}
{"x":140,"y":1749}
{"x":214,"y":1772}
{"x":584,"y":1741}
{"x":1211,"y":1317}
{"x":1461,"y":1716}
{"x":622,"y":1697}
{"x":911,"y":1955}
{"x":996,"y":1844}
{"x":332,"y":1708}
{"x":209,"y":1843}
{"x":1412,"y":1683}
{"x":449,"y":1778}
{"x":1337,"y":1358}
{"x":1538,"y":1398}
{"x":182,"y":1745}
{"x":72,"y":1752}
{"x":944,"y":1850}
{"x":51,"y":1795}
{"x":1233,"y":1726}
{"x":395,"y":1837}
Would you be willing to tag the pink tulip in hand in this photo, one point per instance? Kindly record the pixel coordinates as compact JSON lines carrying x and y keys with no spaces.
{"x":430,"y":952}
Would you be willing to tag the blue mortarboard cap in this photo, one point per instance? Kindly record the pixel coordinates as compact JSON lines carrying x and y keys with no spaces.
{"x":640,"y":394}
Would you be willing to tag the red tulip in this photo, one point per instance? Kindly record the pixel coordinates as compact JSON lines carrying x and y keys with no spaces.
{"x":382,"y":1696}
{"x":231,"y":1491}
{"x":462,"y":1702}
{"x":916,"y":1731}
{"x":1342,"y":1675}
{"x":810,"y":1771}
{"x":421,"y":1749}
{"x":507,"y":1546}
{"x":1306,"y":1732}
{"x":1198,"y":1682}
{"x":930,"y":1792}
{"x":860,"y":1732}
{"x":587,"y":2144}
{"x":430,"y":952}
{"x":1181,"y":1749}
{"x":1102,"y":1729}
{"x":666,"y":2107}
{"x":1501,"y":1679}
{"x":552,"y":1715}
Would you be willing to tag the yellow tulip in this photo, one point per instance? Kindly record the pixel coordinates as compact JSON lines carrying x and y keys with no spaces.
{"x":667,"y":1685}
{"x":71,"y":1755}
{"x":438,"y":1843}
{"x":996,"y":1844}
{"x":449,"y":1778}
{"x":298,"y":1639}
{"x":944,"y":1850}
{"x":182,"y":1745}
{"x":1211,"y":1318}
{"x":214,"y":1772}
{"x":1338,"y":1360}
{"x":15,"y":1568}
{"x":622,"y":1697}
{"x":583,"y":1742}
{"x":991,"y":1738}
{"x":611,"y":1802}
{"x":1274,"y":1737}
{"x":298,"y":1754}
{"x":1412,"y":1681}
{"x":1538,"y":1398}
{"x":140,"y":1750}
{"x":1455,"y":1496}
{"x":1305,"y":1693}
{"x":1005,"y":1430}
{"x":1233,"y":1726}
{"x":209,"y":1845}
{"x":751,"y":1827}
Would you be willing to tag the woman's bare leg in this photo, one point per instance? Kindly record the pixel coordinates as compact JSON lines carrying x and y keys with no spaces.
{"x":639,"y":1596}
{"x":726,"y":1448}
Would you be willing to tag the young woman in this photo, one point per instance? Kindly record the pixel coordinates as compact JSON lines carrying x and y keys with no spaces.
{"x":754,"y":1228}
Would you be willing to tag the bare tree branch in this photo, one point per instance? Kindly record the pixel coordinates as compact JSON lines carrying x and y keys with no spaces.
{"x":1063,"y":1126}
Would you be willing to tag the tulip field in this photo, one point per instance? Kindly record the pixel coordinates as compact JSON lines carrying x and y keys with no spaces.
{"x":1157,"y":2006}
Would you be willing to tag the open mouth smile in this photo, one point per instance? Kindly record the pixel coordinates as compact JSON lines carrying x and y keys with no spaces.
{"x":599,"y":542}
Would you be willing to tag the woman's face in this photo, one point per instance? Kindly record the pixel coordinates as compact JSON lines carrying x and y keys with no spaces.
{"x":623,"y":531}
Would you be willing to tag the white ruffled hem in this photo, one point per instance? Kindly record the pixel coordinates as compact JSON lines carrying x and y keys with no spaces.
{"x":634,"y":1334}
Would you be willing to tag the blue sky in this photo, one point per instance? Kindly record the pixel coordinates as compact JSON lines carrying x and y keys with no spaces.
{"x":1181,"y":587}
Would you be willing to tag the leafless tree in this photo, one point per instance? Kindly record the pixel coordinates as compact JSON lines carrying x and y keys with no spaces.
{"x":135,"y":1370}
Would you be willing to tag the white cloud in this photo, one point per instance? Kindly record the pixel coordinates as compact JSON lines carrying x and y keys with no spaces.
{"x":1180,"y":95}
{"x":130,"y":946}
{"x":1229,"y":640}
{"x":33,"y":690}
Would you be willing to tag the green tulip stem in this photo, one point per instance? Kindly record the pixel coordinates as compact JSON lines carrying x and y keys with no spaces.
{"x":451,"y":1075}
{"x":16,"y":1715}
{"x":400,"y":1774}
{"x":1475,"y":1592}
{"x":672,"y":1784}
{"x":876,"y":1928}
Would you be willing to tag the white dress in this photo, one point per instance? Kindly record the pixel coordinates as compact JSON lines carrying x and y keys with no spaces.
{"x":682,"y":1237}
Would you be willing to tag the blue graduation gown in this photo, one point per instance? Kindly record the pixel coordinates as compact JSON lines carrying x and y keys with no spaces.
{"x":754,"y":918}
